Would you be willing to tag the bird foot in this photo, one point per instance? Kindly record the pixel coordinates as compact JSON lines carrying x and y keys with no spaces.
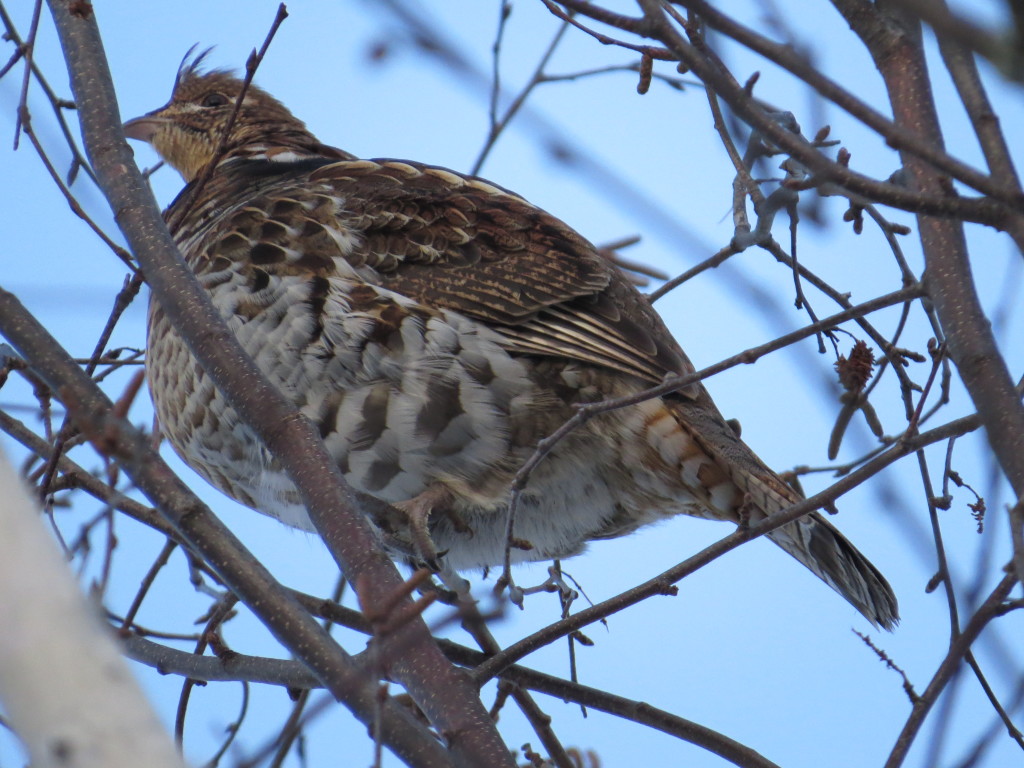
{"x":417,"y":511}
{"x":555,"y":582}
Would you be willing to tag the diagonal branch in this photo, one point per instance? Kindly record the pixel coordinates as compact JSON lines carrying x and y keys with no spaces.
{"x":332,"y":507}
{"x":291,"y":675}
{"x":662,"y":584}
{"x":896,"y":135}
{"x":993,"y":607}
{"x":1001,"y":214}
{"x":112,"y":436}
{"x":972,"y":346}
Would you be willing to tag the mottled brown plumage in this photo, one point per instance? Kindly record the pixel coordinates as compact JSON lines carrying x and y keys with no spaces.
{"x":436,"y":327}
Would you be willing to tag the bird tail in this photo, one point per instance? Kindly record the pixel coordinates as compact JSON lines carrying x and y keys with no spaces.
{"x":811,"y":539}
{"x":816,"y":543}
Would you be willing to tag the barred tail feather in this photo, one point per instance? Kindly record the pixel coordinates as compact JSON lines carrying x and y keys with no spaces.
{"x":812,"y":539}
{"x":816,"y":543}
{"x":831,"y":557}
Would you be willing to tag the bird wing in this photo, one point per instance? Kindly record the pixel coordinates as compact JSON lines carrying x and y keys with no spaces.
{"x":460,"y":243}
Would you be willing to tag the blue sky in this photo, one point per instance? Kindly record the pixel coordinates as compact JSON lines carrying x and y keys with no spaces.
{"x":753,"y":646}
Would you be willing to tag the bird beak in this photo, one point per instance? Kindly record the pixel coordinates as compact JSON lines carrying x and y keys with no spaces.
{"x":143,"y":128}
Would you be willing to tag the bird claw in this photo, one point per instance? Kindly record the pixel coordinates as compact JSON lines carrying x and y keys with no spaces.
{"x":553,"y":583}
{"x":417,"y":511}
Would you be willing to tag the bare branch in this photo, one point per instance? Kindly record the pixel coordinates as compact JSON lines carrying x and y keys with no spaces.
{"x":289,"y":437}
{"x":993,"y":606}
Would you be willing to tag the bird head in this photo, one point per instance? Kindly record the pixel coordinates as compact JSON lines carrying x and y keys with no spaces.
{"x":188,"y":131}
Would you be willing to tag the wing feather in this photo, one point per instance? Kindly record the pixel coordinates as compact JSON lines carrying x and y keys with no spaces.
{"x":445,"y":241}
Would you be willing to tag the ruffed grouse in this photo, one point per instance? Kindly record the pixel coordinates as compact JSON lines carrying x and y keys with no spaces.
{"x":436,"y":327}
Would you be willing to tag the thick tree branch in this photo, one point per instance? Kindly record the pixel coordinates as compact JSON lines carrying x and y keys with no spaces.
{"x":415,"y":661}
{"x":92,"y":412}
{"x":971,"y":343}
{"x":71,"y":699}
{"x":654,"y":24}
{"x":291,"y":675}
{"x":924,"y":185}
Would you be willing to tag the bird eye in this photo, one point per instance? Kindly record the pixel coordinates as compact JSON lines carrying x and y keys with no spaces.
{"x":214,"y":100}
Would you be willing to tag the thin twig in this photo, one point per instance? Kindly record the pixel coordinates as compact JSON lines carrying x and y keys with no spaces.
{"x":585,"y":413}
{"x":990,"y":609}
{"x":294,"y":675}
{"x":251,"y":65}
{"x":497,"y":126}
{"x":662,"y":584}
